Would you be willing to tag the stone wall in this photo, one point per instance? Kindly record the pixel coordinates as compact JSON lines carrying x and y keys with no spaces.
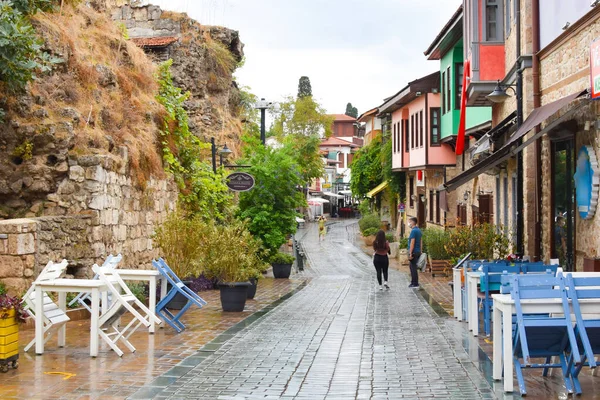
{"x":564,"y":71}
{"x":98,"y":211}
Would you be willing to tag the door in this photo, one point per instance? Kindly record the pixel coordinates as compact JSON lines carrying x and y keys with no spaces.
{"x":563,"y":200}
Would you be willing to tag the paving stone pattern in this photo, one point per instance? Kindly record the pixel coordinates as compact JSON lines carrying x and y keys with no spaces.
{"x":338,"y":338}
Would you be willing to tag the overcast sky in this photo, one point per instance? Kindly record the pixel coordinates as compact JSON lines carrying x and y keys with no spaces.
{"x":354,"y":51}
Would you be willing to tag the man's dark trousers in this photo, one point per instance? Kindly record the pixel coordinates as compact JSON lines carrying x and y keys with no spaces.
{"x":414,"y":275}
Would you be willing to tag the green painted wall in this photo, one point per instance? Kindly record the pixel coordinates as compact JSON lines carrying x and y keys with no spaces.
{"x":475,"y":115}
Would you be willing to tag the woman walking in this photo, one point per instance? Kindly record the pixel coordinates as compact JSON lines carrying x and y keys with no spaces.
{"x":322,"y":229}
{"x":380,"y":258}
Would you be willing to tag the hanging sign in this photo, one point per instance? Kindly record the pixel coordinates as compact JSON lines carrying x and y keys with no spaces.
{"x":587,"y":182}
{"x":595,"y":69}
{"x":240,"y":181}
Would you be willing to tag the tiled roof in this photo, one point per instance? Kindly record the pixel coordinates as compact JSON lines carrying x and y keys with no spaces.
{"x":333,"y":141}
{"x":154,"y":41}
{"x":344,"y":117}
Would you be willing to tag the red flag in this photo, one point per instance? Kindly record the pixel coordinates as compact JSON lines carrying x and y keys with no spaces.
{"x":460,"y":140}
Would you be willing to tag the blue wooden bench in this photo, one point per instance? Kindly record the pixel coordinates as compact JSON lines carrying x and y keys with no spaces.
{"x":541,"y":335}
{"x":587,"y":331}
{"x":177,"y":286}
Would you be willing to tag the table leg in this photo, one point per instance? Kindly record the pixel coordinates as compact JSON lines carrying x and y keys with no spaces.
{"x":62,"y":303}
{"x":475,"y":310}
{"x":94,"y":323}
{"x":472,"y":307}
{"x":39,"y":321}
{"x":497,"y":345}
{"x":507,"y":348}
{"x":456,"y":293}
{"x":152,"y":302}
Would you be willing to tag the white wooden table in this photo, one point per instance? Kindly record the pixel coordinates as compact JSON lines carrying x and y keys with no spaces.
{"x":504,"y":308}
{"x":63,"y":286}
{"x":152,"y":276}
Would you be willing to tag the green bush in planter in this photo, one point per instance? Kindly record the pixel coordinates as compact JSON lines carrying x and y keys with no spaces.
{"x":403,"y":243}
{"x":369,"y":221}
{"x":434,"y":242}
{"x":389,"y":237}
{"x":370,"y":231}
{"x":282,"y":258}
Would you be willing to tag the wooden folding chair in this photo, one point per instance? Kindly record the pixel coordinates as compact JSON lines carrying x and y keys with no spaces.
{"x":542,"y":335}
{"x":177,"y":286}
{"x":53,"y":316}
{"x":587,"y":331}
{"x":84,"y":297}
{"x":123,"y":300}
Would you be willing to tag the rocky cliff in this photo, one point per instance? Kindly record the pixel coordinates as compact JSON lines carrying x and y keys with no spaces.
{"x":100,"y":102}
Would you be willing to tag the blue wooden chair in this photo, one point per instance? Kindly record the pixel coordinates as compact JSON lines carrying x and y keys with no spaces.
{"x":537,"y":267}
{"x":176,"y":287}
{"x":587,"y":331}
{"x":490,"y":282}
{"x":540,"y":335}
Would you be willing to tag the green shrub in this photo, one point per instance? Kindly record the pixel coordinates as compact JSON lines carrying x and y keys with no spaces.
{"x":364,"y":207}
{"x":389,"y":237}
{"x":2,"y":288}
{"x":138,"y":289}
{"x":282,"y":258}
{"x":370,"y":231}
{"x":484,"y":241}
{"x":178,"y":237}
{"x":434,"y":243}
{"x":403,"y":243}
{"x":369,"y":221}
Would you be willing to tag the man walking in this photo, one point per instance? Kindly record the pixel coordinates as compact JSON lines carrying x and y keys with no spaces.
{"x":415,"y":244}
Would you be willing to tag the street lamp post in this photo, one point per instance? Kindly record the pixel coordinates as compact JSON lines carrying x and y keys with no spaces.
{"x":223,"y":153}
{"x":262,"y":105}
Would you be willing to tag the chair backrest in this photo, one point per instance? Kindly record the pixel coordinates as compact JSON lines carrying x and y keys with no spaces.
{"x":492,"y":274}
{"x":584,"y":288}
{"x":50,"y":272}
{"x":537,"y":267}
{"x":539,"y":286}
{"x":165,"y":271}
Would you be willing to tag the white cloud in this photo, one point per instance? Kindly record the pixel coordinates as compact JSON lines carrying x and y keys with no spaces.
{"x":352,"y":51}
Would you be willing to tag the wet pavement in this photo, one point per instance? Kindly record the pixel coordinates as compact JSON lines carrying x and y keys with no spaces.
{"x":327,"y":333}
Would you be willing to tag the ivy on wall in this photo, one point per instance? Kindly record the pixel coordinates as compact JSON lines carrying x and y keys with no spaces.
{"x":202,"y":192}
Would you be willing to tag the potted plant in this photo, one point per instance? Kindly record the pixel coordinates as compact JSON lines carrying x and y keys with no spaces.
{"x":254,"y":275}
{"x":177,"y":237}
{"x":230,"y":255}
{"x":11,"y":314}
{"x":282,"y":264}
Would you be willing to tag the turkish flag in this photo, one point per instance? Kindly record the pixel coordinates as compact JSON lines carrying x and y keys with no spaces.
{"x":460,"y":140}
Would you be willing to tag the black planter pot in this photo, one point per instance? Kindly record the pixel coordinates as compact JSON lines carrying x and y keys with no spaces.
{"x":252,"y":288}
{"x":179,"y":301}
{"x":282,"y":271}
{"x":234,"y":295}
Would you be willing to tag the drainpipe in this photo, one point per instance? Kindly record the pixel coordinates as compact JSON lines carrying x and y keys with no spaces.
{"x":537,"y":102}
{"x":520,"y":194}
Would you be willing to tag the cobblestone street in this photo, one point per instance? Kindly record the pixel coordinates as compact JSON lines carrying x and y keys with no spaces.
{"x":339,"y":337}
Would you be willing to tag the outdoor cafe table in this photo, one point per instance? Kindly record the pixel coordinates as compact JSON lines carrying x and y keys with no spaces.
{"x":152,"y":276}
{"x":63,"y":286}
{"x":504,"y":308}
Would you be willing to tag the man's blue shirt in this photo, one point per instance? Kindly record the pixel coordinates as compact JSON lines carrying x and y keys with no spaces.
{"x":416,"y":234}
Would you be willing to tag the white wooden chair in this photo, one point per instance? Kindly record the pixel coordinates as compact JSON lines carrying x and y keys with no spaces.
{"x":123,"y":300}
{"x":53,"y":316}
{"x":84,"y":298}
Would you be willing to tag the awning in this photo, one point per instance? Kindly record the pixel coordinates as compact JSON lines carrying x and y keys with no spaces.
{"x":481,"y":146}
{"x":317,"y":201}
{"x":511,"y":148}
{"x":377,"y":189}
{"x":345,"y":192}
{"x":329,"y":194}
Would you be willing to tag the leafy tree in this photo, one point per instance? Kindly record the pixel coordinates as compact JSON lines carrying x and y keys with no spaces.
{"x":367,"y":169}
{"x":21,"y":57}
{"x":351,"y":111}
{"x":396,"y":180}
{"x":201,"y":191}
{"x":299,"y":124}
{"x":304,"y":88}
{"x":271,"y":205}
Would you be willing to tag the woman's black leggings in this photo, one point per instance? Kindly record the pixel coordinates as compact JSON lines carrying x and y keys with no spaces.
{"x":381,"y":265}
